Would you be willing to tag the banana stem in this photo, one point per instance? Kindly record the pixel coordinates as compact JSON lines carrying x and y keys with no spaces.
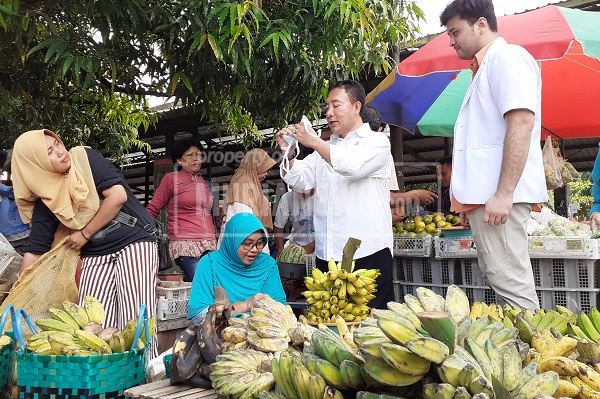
{"x":441,"y":326}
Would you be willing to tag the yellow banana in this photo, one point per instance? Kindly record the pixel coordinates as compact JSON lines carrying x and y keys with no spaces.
{"x":76,"y":312}
{"x":94,"y":309}
{"x":93,"y":342}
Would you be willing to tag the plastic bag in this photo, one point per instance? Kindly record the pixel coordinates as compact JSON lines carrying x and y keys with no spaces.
{"x":552,"y":165}
{"x":164,"y":256}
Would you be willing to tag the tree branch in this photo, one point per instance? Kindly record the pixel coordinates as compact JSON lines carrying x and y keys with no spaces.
{"x":125,"y":90}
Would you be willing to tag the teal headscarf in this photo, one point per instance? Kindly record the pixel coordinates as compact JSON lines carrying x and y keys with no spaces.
{"x":225,"y":268}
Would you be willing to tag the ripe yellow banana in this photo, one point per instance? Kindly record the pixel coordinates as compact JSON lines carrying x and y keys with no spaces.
{"x":93,"y":342}
{"x":76,"y":312}
{"x":94,"y":309}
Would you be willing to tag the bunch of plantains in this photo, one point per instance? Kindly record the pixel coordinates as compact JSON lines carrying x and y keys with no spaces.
{"x":270,"y":327}
{"x":77,"y":331}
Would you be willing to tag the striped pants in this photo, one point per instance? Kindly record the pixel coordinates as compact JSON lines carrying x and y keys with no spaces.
{"x":122,"y":282}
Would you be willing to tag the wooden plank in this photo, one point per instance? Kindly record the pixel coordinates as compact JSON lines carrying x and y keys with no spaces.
{"x":136,"y":391}
{"x":196,"y":393}
{"x":192,"y":393}
{"x":161,"y":392}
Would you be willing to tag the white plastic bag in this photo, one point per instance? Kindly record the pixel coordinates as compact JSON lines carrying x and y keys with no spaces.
{"x":552,"y":165}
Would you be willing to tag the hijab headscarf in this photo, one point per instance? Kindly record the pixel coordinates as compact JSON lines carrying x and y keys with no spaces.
{"x":245,"y":186}
{"x":72,"y":197}
{"x":225,"y":268}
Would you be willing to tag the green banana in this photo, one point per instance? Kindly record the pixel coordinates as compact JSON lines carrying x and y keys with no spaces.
{"x":584,"y":322}
{"x":61,"y":315}
{"x":428,"y":348}
{"x":331,"y":374}
{"x":480,"y":356}
{"x":466,"y":375}
{"x":511,"y":363}
{"x":351,"y":375}
{"x":388,"y":375}
{"x":403,"y":359}
{"x":54,"y":325}
{"x":544,"y":383}
{"x":396,"y":331}
{"x":480,"y":384}
{"x":496,"y":359}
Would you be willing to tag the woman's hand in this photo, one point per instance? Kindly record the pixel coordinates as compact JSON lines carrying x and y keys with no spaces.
{"x":246,"y":306}
{"x":76,"y":240}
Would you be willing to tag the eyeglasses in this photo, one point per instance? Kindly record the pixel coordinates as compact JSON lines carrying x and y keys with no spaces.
{"x":193,"y":155}
{"x":260,"y":244}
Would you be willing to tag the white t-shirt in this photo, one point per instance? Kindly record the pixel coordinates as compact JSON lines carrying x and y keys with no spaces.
{"x":353,"y":195}
{"x":300,"y":209}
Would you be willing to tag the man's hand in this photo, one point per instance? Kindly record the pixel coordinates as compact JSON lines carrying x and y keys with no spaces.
{"x":464,"y":220}
{"x":497,"y":209}
{"x":425,"y":197}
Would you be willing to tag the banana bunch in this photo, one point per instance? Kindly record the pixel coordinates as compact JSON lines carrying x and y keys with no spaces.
{"x":242,"y":373}
{"x":294,"y":378}
{"x":525,"y":321}
{"x":470,"y":372}
{"x":199,"y":345}
{"x":339,"y":291}
{"x":587,"y":327}
{"x":577,"y":379}
{"x":77,"y":331}
{"x":270,"y":327}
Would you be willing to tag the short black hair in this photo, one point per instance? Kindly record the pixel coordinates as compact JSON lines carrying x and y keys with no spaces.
{"x":471,"y":11}
{"x":181,"y":146}
{"x":355,"y":91}
{"x":3,"y":156}
{"x":372,"y":116}
{"x":445,"y":160}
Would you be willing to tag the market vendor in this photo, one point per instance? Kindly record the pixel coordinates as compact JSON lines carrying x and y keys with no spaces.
{"x":239,"y":266}
{"x":595,"y":210}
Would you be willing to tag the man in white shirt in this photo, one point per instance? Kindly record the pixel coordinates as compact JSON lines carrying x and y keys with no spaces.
{"x":299,"y":207}
{"x":351,"y":175}
{"x":497,"y":170}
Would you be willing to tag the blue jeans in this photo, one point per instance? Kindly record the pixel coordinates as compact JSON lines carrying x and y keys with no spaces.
{"x":188,"y":265}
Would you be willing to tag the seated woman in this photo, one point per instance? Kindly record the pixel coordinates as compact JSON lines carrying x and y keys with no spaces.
{"x":239,"y":266}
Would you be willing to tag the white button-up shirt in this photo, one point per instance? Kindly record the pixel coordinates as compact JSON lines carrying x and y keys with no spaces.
{"x":352,"y":196}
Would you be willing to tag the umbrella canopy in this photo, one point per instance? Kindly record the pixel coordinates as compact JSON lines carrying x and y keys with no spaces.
{"x":425,"y":92}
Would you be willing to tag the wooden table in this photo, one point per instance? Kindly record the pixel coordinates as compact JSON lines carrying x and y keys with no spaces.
{"x":164,"y":390}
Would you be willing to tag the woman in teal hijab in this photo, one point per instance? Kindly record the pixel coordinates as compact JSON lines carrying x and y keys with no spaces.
{"x":239,"y":266}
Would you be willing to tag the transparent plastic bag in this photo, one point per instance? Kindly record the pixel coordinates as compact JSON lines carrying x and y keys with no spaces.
{"x":552,"y":165}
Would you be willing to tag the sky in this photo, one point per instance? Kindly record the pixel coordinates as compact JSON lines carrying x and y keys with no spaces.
{"x":433,"y":8}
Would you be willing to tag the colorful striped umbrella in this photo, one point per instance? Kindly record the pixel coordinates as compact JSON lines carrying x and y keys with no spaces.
{"x":425,"y":93}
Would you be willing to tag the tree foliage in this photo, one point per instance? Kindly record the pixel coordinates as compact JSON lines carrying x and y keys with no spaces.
{"x":84,"y":68}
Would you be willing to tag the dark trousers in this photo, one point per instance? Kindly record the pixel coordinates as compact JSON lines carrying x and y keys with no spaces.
{"x":381,"y":260}
{"x":188,"y":265}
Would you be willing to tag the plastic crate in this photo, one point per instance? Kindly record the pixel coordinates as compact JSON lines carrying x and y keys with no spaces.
{"x":459,"y":247}
{"x":413,"y":246}
{"x":310,"y":260}
{"x":426,"y":270}
{"x":411,"y":288}
{"x":173,"y":300}
{"x":578,"y":300}
{"x":565,"y":273}
{"x":563,"y":247}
